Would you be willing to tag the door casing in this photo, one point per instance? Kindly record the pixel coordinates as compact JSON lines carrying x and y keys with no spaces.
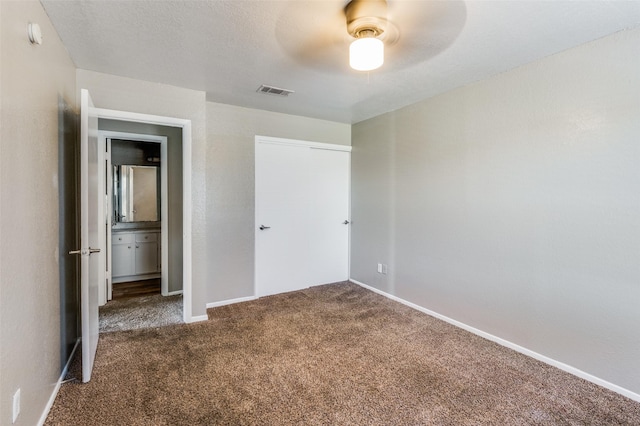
{"x":185,"y":125}
{"x":104,"y":137}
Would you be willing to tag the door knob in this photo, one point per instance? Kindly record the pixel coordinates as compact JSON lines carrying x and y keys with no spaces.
{"x":346,"y":222}
{"x":262,"y":227}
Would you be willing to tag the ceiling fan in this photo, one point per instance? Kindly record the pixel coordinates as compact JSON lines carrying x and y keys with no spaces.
{"x":328,"y":36}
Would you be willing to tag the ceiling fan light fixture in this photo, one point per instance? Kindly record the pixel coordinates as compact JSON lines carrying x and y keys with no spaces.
{"x":366,"y":21}
{"x":366,"y":54}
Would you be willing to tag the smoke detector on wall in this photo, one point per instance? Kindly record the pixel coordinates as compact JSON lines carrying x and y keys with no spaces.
{"x":35,"y":33}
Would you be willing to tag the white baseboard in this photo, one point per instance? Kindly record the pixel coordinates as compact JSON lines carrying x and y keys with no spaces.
{"x":172,"y":293}
{"x":230,"y":301}
{"x":562,"y":366}
{"x":56,"y":389}
{"x":197,"y":318}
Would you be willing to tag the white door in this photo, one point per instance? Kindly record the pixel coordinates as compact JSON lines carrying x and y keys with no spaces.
{"x":329,"y":224}
{"x":302,"y":203}
{"x":282,"y":211}
{"x":90,"y":218}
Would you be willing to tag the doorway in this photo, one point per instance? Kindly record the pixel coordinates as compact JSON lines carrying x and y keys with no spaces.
{"x":141,"y":287}
{"x":92,"y":218}
{"x":175,"y":234}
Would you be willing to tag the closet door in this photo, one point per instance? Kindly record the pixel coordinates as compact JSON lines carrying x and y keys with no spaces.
{"x":282,"y":211}
{"x":302,"y":202}
{"x":329,"y":216}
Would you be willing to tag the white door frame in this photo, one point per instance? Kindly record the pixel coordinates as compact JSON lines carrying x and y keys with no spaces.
{"x":296,"y":142}
{"x":103,"y":136}
{"x":186,"y":192}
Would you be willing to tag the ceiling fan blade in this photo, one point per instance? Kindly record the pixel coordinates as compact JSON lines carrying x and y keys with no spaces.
{"x":314,"y":33}
{"x":425,"y":28}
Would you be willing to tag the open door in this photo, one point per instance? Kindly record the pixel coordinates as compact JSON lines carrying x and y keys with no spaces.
{"x":90,"y":217}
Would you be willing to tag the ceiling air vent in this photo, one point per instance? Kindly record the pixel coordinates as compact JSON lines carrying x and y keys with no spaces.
{"x":270,"y":90}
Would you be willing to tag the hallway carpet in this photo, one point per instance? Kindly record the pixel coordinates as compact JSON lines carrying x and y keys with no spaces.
{"x":140,"y":312}
{"x":330,"y":355}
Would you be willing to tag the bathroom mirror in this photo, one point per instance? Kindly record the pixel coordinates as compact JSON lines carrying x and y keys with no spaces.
{"x":135,"y":193}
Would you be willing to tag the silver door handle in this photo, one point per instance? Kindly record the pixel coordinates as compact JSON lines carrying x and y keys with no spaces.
{"x":90,"y":251}
{"x":346,"y":222}
{"x":262,"y":227}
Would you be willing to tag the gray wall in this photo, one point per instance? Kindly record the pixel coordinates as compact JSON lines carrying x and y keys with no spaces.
{"x":35,"y":81}
{"x":222,"y":172}
{"x":174,"y":187}
{"x":231,"y":135}
{"x":135,"y":153}
{"x":513,"y":205}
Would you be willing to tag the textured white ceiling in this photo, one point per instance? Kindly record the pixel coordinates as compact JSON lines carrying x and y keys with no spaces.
{"x":229,"y":48}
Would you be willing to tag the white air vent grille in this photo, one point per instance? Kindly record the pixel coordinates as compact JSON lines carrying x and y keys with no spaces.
{"x":270,"y":90}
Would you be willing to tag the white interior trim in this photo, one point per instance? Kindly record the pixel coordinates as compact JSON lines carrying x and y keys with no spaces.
{"x":316,"y":145}
{"x":136,"y":117}
{"x":56,"y":388}
{"x":186,"y":192}
{"x":550,"y":361}
{"x":198,"y":318}
{"x":164,"y":219}
{"x":186,"y":224}
{"x":108,"y":216}
{"x":164,"y":202}
{"x":173,"y":293}
{"x":103,"y":207}
{"x":230,"y":301}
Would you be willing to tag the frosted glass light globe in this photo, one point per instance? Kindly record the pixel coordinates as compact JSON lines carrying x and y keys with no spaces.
{"x":366,"y":54}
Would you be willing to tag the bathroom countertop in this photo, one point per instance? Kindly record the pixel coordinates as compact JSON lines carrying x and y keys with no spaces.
{"x":131,"y":227}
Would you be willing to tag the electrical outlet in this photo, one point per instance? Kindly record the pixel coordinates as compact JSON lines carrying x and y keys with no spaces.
{"x":379,"y":268}
{"x":16,"y":405}
{"x":384,"y":269}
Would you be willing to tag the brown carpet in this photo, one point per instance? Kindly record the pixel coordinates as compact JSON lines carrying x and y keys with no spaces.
{"x":329,"y":355}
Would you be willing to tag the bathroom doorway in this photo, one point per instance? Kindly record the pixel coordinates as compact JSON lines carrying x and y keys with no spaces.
{"x":143,"y":191}
{"x":137,"y":247}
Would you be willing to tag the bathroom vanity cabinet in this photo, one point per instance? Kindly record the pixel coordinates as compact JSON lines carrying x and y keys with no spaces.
{"x":135,"y":255}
